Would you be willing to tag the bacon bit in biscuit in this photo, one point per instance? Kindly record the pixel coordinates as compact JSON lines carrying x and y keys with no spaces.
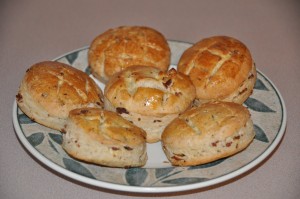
{"x":98,"y":103}
{"x":63,"y":130}
{"x":156,"y":121}
{"x":236,"y":137}
{"x":244,"y":90}
{"x":167,"y":83}
{"x":237,"y":146}
{"x":178,"y":94}
{"x":251,"y":76}
{"x":115,"y":148}
{"x":19,"y":97}
{"x":228,"y":144}
{"x":215,"y":143}
{"x":121,"y":110}
{"x":84,"y":111}
{"x":46,"y":94}
{"x":139,"y":119}
{"x":128,"y":148}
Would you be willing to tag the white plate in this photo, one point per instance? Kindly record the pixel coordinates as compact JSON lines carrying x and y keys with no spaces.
{"x":265,"y":104}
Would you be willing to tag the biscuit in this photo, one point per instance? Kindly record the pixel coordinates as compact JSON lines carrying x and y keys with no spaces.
{"x":210,"y":132}
{"x":118,"y":48}
{"x":221,"y":68}
{"x":49,"y":90}
{"x":102,"y":137}
{"x":149,"y":97}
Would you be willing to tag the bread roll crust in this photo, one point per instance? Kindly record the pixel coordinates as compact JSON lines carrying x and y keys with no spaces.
{"x":103,"y":137}
{"x":221,"y":68}
{"x":121,"y":47}
{"x":49,"y":90}
{"x":210,"y":132}
{"x":149,"y":97}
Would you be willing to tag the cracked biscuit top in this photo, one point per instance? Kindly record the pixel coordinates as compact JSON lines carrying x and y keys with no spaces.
{"x":50,"y":89}
{"x":221,"y":68}
{"x":149,"y":91}
{"x":118,"y":48}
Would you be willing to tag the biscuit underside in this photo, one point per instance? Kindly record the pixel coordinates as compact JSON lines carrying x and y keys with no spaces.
{"x":80,"y":145}
{"x":37,"y":113}
{"x":207,"y":150}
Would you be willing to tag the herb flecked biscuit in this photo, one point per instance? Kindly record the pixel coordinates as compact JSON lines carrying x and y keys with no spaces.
{"x":49,"y":90}
{"x":118,"y":48}
{"x":221,"y":68}
{"x":149,"y":97}
{"x":102,"y":137}
{"x":210,"y":132}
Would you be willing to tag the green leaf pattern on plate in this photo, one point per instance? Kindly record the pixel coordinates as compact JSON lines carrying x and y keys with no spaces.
{"x":136,"y":176}
{"x":24,"y":119}
{"x":56,"y":138}
{"x":72,"y":57}
{"x":259,"y":85}
{"x":77,"y":167}
{"x":260,"y":134}
{"x":36,"y":139}
{"x":257,"y":105}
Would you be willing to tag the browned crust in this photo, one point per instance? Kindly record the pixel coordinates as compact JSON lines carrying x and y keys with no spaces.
{"x":51,"y":89}
{"x":149,"y":91}
{"x":118,"y":48}
{"x":217,"y":66}
{"x":212,"y":131}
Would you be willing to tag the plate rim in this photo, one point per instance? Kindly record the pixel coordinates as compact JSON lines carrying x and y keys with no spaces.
{"x":153,"y":189}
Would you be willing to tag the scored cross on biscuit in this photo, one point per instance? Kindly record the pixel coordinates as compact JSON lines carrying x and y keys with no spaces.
{"x":221,"y":68}
{"x":50,"y":89}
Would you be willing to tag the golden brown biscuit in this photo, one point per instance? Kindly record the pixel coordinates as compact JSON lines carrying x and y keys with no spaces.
{"x":49,"y":90}
{"x":149,"y":97}
{"x":221,"y":68}
{"x":118,"y":48}
{"x":212,"y":131}
{"x":103,"y":137}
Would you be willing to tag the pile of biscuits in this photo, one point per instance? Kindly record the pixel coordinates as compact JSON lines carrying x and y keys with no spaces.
{"x":195,"y":110}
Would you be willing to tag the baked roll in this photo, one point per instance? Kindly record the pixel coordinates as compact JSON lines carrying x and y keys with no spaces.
{"x":221,"y":68}
{"x":49,"y":90}
{"x":105,"y":138}
{"x":149,"y":97}
{"x":118,"y":48}
{"x":210,"y":132}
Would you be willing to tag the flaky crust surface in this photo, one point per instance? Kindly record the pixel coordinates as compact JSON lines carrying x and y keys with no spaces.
{"x":103,"y":137}
{"x":149,"y":91}
{"x":212,"y":131}
{"x":149,"y":97}
{"x":221,"y":68}
{"x":49,"y":90}
{"x":118,"y":48}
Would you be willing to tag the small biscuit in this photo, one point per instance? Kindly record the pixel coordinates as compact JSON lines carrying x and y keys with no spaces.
{"x":221,"y":68}
{"x":49,"y":90}
{"x":210,"y":132}
{"x":103,"y":137}
{"x":118,"y":48}
{"x":149,"y":97}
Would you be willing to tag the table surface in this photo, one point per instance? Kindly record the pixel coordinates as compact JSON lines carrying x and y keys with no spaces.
{"x":34,"y":30}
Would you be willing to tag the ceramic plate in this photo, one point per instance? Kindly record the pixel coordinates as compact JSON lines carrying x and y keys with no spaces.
{"x":265,"y":104}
